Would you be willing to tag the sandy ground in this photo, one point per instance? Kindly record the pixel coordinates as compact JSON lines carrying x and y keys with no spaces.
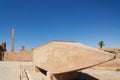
{"x":9,"y":71}
{"x":102,"y":74}
{"x":23,"y":70}
{"x":15,"y":70}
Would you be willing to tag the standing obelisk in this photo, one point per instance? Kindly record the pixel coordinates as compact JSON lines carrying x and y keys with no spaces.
{"x":12,"y":47}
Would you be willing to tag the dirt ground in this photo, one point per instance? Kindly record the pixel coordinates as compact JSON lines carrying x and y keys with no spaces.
{"x":113,"y":65}
{"x":101,"y":74}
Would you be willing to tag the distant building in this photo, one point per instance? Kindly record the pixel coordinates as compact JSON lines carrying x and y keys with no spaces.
{"x":22,"y":48}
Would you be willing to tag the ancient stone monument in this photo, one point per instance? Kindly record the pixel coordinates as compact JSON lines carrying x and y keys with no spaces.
{"x":12,"y":46}
{"x":22,"y":48}
{"x":62,"y":60}
{"x":2,"y":50}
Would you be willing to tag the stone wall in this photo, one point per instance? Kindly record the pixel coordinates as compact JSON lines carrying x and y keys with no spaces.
{"x":18,"y":56}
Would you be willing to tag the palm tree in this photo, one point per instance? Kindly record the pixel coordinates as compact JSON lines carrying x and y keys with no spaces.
{"x":101,"y":44}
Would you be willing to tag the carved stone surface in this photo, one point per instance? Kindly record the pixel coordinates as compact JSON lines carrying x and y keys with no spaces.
{"x":59,"y":57}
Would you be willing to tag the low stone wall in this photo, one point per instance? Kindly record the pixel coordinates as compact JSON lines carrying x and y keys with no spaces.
{"x":18,"y":56}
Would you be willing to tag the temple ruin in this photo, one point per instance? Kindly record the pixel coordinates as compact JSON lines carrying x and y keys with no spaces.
{"x":60,"y":60}
{"x":2,"y":50}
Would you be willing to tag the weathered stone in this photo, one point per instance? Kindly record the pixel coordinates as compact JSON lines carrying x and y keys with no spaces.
{"x":12,"y":44}
{"x":2,"y":50}
{"x":59,"y":57}
{"x":22,"y":48}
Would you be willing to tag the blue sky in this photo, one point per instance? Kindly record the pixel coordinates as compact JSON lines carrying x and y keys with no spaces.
{"x":37,"y":22}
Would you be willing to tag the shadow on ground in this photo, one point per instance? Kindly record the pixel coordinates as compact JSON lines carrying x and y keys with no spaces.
{"x":85,"y":76}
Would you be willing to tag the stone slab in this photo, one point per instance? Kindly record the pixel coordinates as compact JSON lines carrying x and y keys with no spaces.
{"x":59,"y":57}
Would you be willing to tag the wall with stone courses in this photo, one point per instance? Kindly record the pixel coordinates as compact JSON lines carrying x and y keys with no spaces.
{"x":18,"y":56}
